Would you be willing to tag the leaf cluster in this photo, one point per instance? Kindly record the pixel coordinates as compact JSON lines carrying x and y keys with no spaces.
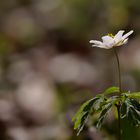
{"x":102,"y":103}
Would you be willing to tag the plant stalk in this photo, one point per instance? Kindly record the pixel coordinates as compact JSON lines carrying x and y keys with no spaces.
{"x":120,"y":89}
{"x":119,"y":122}
{"x":119,"y":70}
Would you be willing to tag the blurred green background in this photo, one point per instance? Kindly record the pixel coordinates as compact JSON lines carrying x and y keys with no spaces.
{"x":48,"y":68}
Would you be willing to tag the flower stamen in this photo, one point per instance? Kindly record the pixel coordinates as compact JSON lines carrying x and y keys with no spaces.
{"x":111,"y":35}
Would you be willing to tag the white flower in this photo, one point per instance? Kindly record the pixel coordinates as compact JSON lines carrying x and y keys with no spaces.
{"x":110,"y":41}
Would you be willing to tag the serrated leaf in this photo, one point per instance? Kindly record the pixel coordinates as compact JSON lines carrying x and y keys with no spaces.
{"x":133,"y":111}
{"x":84,"y":119}
{"x":80,"y":118}
{"x":133,"y":116}
{"x":123,"y":110}
{"x":111,"y":90}
{"x":103,"y":115}
{"x":99,"y":103}
{"x":135,"y":95}
{"x":134,"y":103}
{"x":114,"y":99}
{"x":85,"y":107}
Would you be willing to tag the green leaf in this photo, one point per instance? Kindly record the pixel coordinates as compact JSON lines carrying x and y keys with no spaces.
{"x":111,"y":90}
{"x":135,"y":95}
{"x":133,"y":116}
{"x":134,"y":103}
{"x":81,"y":117}
{"x":84,"y":119}
{"x":103,"y":114}
{"x":114,"y":99}
{"x":85,"y":107}
{"x":133,"y":111}
{"x":123,"y":110}
{"x":100,"y":102}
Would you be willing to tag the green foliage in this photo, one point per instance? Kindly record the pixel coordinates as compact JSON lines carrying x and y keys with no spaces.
{"x":101,"y":104}
{"x":135,"y":95}
{"x":81,"y":116}
{"x":132,"y":108}
{"x":103,"y":114}
{"x":111,"y":90}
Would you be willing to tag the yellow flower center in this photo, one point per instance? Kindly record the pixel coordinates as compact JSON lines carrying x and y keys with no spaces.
{"x":111,"y":35}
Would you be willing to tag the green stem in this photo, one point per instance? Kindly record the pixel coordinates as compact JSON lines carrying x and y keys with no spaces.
{"x":119,"y":70}
{"x":119,"y":122}
{"x":120,"y":87}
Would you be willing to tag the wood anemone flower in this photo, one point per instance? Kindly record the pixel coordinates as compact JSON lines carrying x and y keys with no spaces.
{"x":110,"y":41}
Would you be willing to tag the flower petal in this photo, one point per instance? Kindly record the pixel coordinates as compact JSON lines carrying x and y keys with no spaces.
{"x":118,"y":36}
{"x":100,"y":46}
{"x":95,"y":42}
{"x":107,"y":39}
{"x":126,"y":35}
{"x":125,"y":41}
